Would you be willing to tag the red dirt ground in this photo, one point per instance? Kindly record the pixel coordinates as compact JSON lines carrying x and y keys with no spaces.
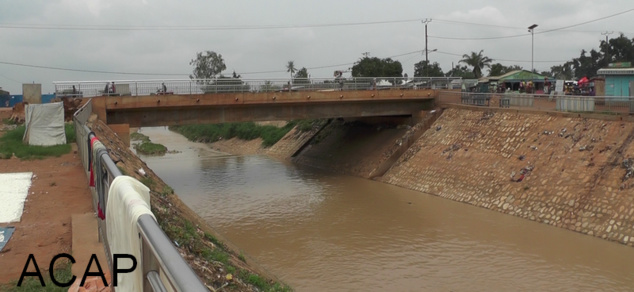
{"x":59,"y":189}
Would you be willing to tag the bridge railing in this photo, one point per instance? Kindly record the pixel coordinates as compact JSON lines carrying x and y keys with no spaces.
{"x":565,"y":103}
{"x":161,"y":265}
{"x":232,"y":85}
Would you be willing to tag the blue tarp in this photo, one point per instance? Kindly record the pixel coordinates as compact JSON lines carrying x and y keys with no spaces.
{"x":5,"y":234}
{"x":11,"y":100}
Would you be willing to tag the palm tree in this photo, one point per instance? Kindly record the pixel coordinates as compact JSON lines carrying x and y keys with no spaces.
{"x":290,"y":67}
{"x":477,"y":61}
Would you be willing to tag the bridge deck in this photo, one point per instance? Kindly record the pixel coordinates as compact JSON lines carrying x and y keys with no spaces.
{"x":161,"y":110}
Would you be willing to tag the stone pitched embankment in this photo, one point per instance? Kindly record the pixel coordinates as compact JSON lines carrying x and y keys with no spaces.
{"x":571,"y":169}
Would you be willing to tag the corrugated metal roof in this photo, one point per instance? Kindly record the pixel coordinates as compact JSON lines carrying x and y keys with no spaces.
{"x":515,"y":75}
{"x":616,"y":71}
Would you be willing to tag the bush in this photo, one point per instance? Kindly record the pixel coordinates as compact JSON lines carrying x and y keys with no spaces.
{"x":245,"y":131}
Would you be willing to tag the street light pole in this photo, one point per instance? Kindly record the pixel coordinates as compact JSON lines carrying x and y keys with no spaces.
{"x":607,"y":47}
{"x":531,"y":29}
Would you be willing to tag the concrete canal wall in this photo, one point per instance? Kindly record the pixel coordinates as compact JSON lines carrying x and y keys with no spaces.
{"x":558,"y":169}
{"x":563,"y":171}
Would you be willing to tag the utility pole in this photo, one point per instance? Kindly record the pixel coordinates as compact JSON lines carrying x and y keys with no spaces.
{"x":607,"y":46}
{"x":426,"y":21}
{"x":366,"y":54}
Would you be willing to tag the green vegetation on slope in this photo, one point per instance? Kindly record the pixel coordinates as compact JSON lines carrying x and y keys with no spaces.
{"x":11,"y":143}
{"x":246,"y":131}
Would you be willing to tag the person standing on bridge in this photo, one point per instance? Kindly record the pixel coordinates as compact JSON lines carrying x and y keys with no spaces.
{"x":113,"y":89}
{"x":164,"y":88}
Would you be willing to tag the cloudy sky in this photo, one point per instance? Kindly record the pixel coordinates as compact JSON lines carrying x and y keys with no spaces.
{"x":43,"y":41}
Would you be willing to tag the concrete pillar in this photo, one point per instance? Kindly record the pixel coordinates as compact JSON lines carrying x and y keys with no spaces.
{"x":32,"y":93}
{"x":123,"y":131}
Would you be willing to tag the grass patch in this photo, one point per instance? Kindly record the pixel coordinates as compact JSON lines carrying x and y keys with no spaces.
{"x":149,"y":148}
{"x":146,"y":146}
{"x":261,"y":283}
{"x":167,"y":190}
{"x":11,"y":143}
{"x":148,"y":182}
{"x":62,"y":273}
{"x":136,"y":136}
{"x":122,"y":170}
{"x":216,"y":255}
{"x":9,"y":122}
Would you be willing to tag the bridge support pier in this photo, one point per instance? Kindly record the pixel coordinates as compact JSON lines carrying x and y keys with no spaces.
{"x":123,"y":131}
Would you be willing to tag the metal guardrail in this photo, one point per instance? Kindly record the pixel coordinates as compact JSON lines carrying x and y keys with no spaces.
{"x":159,"y":256}
{"x":564,"y":103}
{"x":220,"y":85}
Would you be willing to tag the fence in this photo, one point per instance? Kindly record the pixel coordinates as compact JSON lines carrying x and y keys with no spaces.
{"x":565,"y":103}
{"x":220,"y":85}
{"x":161,"y":265}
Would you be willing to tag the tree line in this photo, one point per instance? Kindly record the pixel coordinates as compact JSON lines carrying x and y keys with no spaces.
{"x":209,"y":65}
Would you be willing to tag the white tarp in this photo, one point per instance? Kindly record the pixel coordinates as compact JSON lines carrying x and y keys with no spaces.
{"x":44,"y":124}
{"x":14,"y":187}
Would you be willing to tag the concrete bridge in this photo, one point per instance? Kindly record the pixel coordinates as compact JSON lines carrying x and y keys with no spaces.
{"x":166,"y":110}
{"x":140,"y":103}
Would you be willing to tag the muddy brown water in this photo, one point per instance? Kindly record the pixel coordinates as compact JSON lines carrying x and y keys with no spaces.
{"x":323,"y":232}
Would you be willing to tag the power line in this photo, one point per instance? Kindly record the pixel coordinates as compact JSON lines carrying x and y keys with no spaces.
{"x":505,"y":60}
{"x":10,"y":79}
{"x":539,"y":32}
{"x":193,"y":28}
{"x":84,"y":70}
{"x":241,"y":73}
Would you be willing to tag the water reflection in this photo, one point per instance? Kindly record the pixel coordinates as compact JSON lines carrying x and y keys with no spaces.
{"x":325,"y":232}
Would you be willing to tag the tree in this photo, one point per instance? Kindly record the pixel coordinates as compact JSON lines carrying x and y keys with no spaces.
{"x":620,"y":49}
{"x":290,"y":67}
{"x":461,"y":71}
{"x":268,"y":86}
{"x":564,"y":71}
{"x":206,"y":67}
{"x":498,"y":69}
{"x":587,"y":65}
{"x":423,"y":69}
{"x":301,"y":77}
{"x":477,"y":61}
{"x":375,"y":67}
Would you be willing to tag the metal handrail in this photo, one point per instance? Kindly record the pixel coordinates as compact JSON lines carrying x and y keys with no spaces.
{"x":158,"y":253}
{"x":225,"y":85}
{"x":562,"y":103}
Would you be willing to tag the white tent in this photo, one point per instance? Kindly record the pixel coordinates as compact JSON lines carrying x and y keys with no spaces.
{"x":44,"y":124}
